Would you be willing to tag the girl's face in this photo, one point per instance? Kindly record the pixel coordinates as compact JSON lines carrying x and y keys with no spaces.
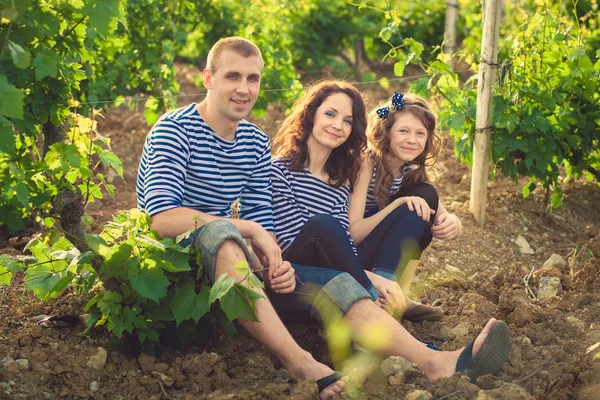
{"x":408,"y":137}
{"x":333,"y":121}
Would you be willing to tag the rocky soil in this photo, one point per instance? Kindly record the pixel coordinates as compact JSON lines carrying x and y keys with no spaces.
{"x":538,"y":271}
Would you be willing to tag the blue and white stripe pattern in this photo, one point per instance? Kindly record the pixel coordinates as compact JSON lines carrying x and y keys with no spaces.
{"x":372,"y":203}
{"x":186,"y":164}
{"x":298,"y":196}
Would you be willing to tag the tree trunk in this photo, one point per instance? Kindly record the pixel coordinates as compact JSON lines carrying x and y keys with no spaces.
{"x":450,"y":29}
{"x":52,"y":135}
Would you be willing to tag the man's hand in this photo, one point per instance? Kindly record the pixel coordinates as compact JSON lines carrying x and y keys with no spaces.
{"x":267,"y":250}
{"x":284,"y":279}
{"x":446,"y":227}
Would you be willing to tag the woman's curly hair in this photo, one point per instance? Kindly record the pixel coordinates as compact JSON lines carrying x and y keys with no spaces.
{"x":378,"y":136}
{"x":343,"y":164}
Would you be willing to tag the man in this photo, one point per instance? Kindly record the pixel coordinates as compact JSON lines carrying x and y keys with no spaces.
{"x":197,"y":161}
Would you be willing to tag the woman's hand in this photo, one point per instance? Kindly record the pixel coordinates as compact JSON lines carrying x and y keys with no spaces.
{"x":391,"y":296}
{"x":447,"y":227}
{"x":417,"y":204}
{"x":283,"y":280}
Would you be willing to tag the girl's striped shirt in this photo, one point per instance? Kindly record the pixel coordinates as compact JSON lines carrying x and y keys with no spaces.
{"x":372,"y":204}
{"x":186,"y":164}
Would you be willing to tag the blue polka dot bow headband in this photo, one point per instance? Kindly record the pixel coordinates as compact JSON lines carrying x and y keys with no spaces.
{"x":397,"y":104}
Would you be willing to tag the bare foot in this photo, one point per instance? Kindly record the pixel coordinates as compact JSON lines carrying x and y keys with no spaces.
{"x":444,"y":365}
{"x":309,"y":368}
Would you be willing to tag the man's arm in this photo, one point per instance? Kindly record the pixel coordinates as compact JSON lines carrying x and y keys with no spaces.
{"x":174,"y":222}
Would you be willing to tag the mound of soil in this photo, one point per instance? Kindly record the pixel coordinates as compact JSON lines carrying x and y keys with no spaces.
{"x":484,"y":274}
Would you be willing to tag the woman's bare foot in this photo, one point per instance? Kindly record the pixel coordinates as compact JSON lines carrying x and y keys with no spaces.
{"x":444,"y":363}
{"x":309,"y":368}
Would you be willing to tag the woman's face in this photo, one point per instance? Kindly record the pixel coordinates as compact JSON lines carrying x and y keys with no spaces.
{"x":408,"y":137}
{"x":333,"y":121}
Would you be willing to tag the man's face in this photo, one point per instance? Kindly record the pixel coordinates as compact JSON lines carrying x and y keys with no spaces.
{"x":235,"y":85}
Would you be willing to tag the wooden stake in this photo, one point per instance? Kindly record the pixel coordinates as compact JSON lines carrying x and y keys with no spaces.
{"x":483,"y":128}
{"x":450,"y":29}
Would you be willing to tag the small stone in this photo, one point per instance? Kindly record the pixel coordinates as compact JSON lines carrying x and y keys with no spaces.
{"x":98,"y":360}
{"x":395,"y":364}
{"x":54,"y":346}
{"x":526,"y":341}
{"x":5,"y":386}
{"x":507,"y":391}
{"x":111,"y":175}
{"x":163,"y":378}
{"x":455,"y":205}
{"x":131,"y":373}
{"x":488,"y":382}
{"x":452,"y":269}
{"x":576,"y":322}
{"x":23,"y":364}
{"x":460,"y":330}
{"x":418,"y":395}
{"x":94,"y":386}
{"x":549,"y":287}
{"x":48,"y":395}
{"x":10,"y":365}
{"x":557,"y":261}
{"x":595,"y":336}
{"x":93,"y":207}
{"x":397,"y":379}
{"x":524,"y":247}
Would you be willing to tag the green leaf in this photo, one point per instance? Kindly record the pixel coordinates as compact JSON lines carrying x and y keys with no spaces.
{"x":5,"y":275}
{"x":239,"y":303}
{"x":149,"y":280}
{"x":110,"y":303}
{"x":103,"y":16}
{"x":110,"y":159}
{"x":253,"y":282}
{"x":117,"y":258}
{"x":82,"y":258}
{"x":95,"y":242}
{"x":7,"y":140}
{"x":41,"y":279}
{"x":160,"y":311}
{"x":220,"y":288}
{"x":242,"y":267}
{"x":20,"y":57}
{"x":93,"y":301}
{"x":399,"y":68}
{"x":187,"y":304}
{"x":173,"y":261}
{"x":11,"y":101}
{"x":421,"y":87}
{"x":23,"y":194}
{"x":45,"y":64}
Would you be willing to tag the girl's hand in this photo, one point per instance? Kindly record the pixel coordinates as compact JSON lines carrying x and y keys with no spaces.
{"x":283,"y":280}
{"x":447,"y":227}
{"x":417,"y":204}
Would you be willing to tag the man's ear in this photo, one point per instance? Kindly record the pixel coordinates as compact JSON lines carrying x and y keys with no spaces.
{"x":207,"y":78}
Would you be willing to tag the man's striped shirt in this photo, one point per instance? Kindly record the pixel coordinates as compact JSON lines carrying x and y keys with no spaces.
{"x":372,"y":203}
{"x":298,"y":196}
{"x":186,"y":164}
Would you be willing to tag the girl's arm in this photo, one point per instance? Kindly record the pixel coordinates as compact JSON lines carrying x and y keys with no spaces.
{"x":446,"y":226}
{"x":360,"y":227}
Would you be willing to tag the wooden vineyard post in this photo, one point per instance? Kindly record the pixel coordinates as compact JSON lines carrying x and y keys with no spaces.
{"x":483,"y":128}
{"x":450,"y":29}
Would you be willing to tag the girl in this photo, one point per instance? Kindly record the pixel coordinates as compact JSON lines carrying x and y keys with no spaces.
{"x":394,"y":202}
{"x":316,"y":166}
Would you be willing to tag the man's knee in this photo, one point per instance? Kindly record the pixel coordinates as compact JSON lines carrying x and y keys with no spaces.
{"x":340,"y":293}
{"x":217,"y":238}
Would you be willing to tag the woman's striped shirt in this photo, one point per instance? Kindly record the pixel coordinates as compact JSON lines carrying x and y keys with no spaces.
{"x":298,"y":196}
{"x":372,"y":203}
{"x":186,"y":164}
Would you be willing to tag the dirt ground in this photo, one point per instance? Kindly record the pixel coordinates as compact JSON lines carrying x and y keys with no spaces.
{"x":479,"y":276}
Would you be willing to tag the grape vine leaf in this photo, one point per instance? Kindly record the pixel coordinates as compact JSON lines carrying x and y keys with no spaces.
{"x":187,"y":304}
{"x":239,"y":303}
{"x":220,"y":288}
{"x":11,"y":100}
{"x":149,"y":280}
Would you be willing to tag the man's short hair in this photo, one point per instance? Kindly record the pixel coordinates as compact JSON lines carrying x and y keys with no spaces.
{"x":238,"y":45}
